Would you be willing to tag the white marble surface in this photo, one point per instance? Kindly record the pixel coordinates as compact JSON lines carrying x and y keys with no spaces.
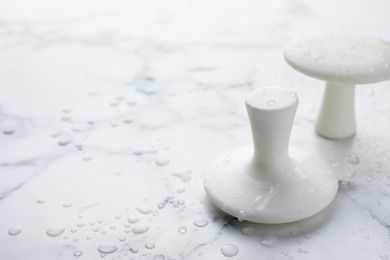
{"x":109,"y":106}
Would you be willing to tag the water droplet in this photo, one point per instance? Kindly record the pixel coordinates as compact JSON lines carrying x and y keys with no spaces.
{"x":14,"y":231}
{"x":64,"y":140}
{"x":114,"y":103}
{"x":55,"y":231}
{"x":182,"y":229}
{"x":201,"y":222}
{"x":162,"y":162}
{"x":66,"y":118}
{"x":73,"y":230}
{"x":8,"y":132}
{"x":385,"y":257}
{"x":353,"y":159}
{"x":144,"y":151}
{"x":262,"y":201}
{"x":133,"y":219}
{"x":159,"y":257}
{"x":78,"y":253}
{"x":122,"y":239}
{"x":134,"y":249}
{"x":40,"y":201}
{"x":229,"y":250}
{"x":95,"y":229}
{"x":184,"y":176}
{"x":114,"y":123}
{"x":80,"y":224}
{"x":180,"y":190}
{"x":131,"y":103}
{"x":141,"y":228}
{"x":271,"y":103}
{"x":87,"y":157}
{"x":107,"y":249}
{"x":103,"y":232}
{"x":67,"y":205}
{"x":283,"y":251}
{"x":127,"y":120}
{"x":144,"y":210}
{"x":150,"y":245}
{"x":241,"y":215}
{"x":55,"y":134}
{"x":269,"y":240}
{"x":319,"y":60}
{"x":248,"y":231}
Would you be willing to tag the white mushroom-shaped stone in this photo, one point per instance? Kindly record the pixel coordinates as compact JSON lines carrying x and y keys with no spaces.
{"x":270,"y":182}
{"x":342,"y":60}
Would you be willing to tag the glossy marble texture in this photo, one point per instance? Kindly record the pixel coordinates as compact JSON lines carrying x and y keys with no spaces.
{"x":112,"y":111}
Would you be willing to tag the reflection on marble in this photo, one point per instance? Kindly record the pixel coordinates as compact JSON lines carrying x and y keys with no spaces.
{"x":111,"y":112}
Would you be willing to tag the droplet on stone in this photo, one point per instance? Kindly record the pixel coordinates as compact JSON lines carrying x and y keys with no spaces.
{"x":159,"y":257}
{"x":182,"y":229}
{"x":241,"y":215}
{"x":229,"y":250}
{"x":144,"y":210}
{"x":144,"y":151}
{"x":127,"y":120}
{"x":134,"y":249}
{"x":248,"y":231}
{"x":8,"y":132}
{"x":180,"y":190}
{"x":140,"y":229}
{"x":78,"y":253}
{"x":87,"y":157}
{"x":67,"y":205}
{"x":162,"y":162}
{"x":150,"y":245}
{"x":184,"y":176}
{"x":201,"y":222}
{"x":55,"y":231}
{"x":133,"y":219}
{"x":14,"y":231}
{"x":269,"y":240}
{"x":107,"y":249}
{"x":64,"y":140}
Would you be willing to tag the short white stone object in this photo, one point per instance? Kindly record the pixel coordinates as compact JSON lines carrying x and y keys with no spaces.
{"x":342,"y":60}
{"x":270,"y":182}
